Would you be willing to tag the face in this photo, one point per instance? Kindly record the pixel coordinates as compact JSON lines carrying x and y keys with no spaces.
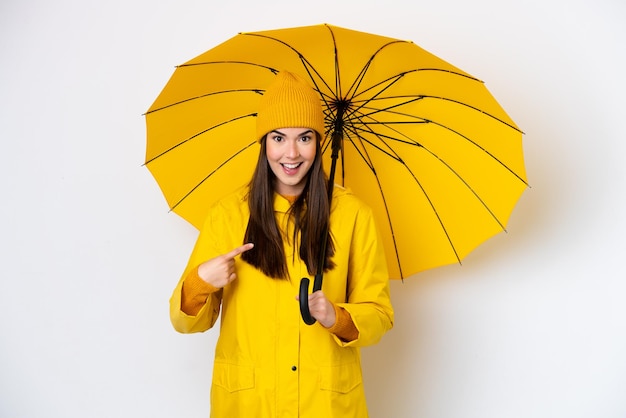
{"x":290,"y":153}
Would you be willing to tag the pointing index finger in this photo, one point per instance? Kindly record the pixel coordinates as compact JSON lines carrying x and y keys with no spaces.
{"x":239,"y":250}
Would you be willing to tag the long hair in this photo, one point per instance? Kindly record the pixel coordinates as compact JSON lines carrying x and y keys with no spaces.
{"x":310,"y":215}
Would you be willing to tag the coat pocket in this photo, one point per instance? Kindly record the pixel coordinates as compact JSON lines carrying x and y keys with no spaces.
{"x":342,"y":378}
{"x":233,"y":377}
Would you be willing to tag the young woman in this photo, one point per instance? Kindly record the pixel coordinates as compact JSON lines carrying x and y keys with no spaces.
{"x":253,"y":250}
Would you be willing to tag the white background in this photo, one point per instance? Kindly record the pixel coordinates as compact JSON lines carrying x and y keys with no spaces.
{"x":533,"y":324}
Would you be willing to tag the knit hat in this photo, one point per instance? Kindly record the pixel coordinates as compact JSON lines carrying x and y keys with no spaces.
{"x":289,"y":102}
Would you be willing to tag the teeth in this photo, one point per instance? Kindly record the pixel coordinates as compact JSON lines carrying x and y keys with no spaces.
{"x":291,"y":165}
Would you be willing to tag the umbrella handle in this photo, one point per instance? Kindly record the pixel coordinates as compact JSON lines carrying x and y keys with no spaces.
{"x":304,"y":297}
{"x":304,"y":302}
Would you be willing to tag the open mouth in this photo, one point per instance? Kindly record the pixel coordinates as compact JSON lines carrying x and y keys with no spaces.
{"x":292,"y":166}
{"x":291,"y":169}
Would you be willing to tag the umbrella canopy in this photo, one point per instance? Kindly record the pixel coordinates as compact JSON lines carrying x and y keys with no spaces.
{"x":422,"y":142}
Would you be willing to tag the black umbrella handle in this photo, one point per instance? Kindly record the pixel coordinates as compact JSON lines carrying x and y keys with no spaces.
{"x":304,"y":297}
{"x":304,"y":302}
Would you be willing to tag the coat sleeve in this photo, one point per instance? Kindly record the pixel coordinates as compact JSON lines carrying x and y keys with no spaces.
{"x":204,"y":249}
{"x":368,"y":298}
{"x":200,"y":322}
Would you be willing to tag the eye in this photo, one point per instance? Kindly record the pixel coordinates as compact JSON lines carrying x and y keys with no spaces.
{"x":276,"y":138}
{"x":306,"y":138}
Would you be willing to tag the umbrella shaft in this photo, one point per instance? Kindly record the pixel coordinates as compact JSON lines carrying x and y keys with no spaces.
{"x":337,"y":137}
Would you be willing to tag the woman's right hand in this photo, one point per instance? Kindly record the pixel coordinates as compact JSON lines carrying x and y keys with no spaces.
{"x":220,"y":271}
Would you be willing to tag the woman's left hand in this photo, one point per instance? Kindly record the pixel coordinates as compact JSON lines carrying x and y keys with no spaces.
{"x":321,"y":309}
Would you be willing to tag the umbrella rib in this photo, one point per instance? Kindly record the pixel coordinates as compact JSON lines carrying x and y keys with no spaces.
{"x":189,"y":99}
{"x":366,"y":158}
{"x":392,"y":154}
{"x":359,"y":78}
{"x":392,"y":80}
{"x":420,"y":96}
{"x":419,"y":184}
{"x":424,"y":120}
{"x":310,"y":69}
{"x":442,"y":161}
{"x":355,"y":130}
{"x":410,"y":141}
{"x":306,"y":63}
{"x":254,"y":64}
{"x":229,"y":159}
{"x":197,"y":135}
{"x":389,"y":81}
{"x":336,"y":56}
{"x":509,"y":169}
{"x":413,"y":98}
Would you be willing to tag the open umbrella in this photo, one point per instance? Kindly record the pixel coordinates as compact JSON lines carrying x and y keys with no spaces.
{"x":422,"y":142}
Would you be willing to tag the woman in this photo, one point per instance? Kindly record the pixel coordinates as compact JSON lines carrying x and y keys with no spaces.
{"x":253,"y":250}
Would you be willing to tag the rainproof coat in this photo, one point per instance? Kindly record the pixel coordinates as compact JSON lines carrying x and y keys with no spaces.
{"x":268,"y":362}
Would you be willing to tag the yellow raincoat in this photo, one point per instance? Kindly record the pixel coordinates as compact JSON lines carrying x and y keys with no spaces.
{"x":268,"y":363}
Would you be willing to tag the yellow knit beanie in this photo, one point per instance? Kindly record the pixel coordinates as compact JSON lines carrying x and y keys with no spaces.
{"x":289,"y":102}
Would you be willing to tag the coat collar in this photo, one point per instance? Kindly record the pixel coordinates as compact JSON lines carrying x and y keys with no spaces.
{"x":281,"y":204}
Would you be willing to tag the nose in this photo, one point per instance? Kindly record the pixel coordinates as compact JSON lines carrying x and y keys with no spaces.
{"x":292,"y":150}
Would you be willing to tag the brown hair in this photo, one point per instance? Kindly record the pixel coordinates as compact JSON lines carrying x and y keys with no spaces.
{"x":310,"y":215}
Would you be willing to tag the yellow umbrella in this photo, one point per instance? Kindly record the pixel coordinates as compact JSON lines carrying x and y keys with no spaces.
{"x":422,"y":142}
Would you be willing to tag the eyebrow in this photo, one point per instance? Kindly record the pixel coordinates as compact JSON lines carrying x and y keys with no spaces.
{"x":308,"y":131}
